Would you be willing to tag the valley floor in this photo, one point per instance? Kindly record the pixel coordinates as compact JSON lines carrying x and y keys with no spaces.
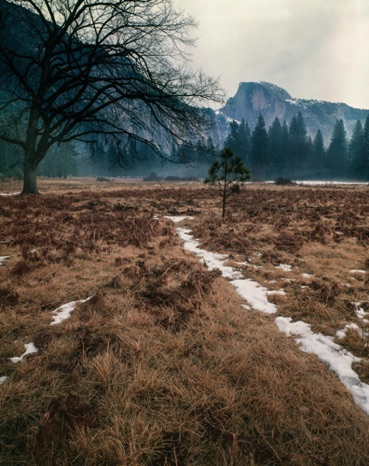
{"x":121,"y":347}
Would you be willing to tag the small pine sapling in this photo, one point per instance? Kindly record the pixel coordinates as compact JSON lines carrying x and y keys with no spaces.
{"x":226,"y":174}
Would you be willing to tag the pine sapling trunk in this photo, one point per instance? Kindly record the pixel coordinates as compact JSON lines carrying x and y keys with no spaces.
{"x":224,"y":195}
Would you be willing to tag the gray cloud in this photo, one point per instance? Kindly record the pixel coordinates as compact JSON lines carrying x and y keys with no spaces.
{"x":313,"y":49}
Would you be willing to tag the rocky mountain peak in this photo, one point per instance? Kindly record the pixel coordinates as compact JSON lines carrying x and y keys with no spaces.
{"x":253,"y":98}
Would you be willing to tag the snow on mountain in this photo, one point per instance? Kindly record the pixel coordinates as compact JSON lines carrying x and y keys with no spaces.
{"x":253,"y":98}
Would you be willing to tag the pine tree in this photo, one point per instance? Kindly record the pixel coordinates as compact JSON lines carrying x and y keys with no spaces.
{"x":259,"y":155}
{"x":244,"y":141}
{"x":356,"y":152}
{"x":238,"y":139}
{"x":337,"y":152}
{"x":319,"y":156}
{"x":232,"y":138}
{"x":285,"y":142}
{"x":297,"y":145}
{"x":226,"y":174}
{"x":275,"y":148}
{"x":366,"y":149}
{"x":308,"y":168}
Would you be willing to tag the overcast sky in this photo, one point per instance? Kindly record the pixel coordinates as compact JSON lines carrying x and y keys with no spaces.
{"x":315,"y":49}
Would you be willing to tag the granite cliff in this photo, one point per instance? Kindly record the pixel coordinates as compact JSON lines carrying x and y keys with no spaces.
{"x":271,"y":101}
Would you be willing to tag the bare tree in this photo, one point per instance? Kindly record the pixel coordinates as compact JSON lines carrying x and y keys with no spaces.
{"x":71,"y":69}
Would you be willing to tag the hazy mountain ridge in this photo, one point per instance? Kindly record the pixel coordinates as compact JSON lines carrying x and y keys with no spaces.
{"x":253,"y":98}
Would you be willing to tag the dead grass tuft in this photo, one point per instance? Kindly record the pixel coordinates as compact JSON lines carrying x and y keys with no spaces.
{"x":326,"y":290}
{"x":8,"y":296}
{"x":64,"y":415}
{"x":362,"y":369}
{"x":22,"y":267}
{"x":356,"y":341}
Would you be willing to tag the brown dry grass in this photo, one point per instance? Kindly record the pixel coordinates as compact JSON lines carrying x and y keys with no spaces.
{"x":163,"y":366}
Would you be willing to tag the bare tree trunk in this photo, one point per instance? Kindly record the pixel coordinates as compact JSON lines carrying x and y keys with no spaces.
{"x":29,"y":178}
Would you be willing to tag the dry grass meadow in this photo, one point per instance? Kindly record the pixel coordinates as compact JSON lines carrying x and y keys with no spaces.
{"x":163,"y":366}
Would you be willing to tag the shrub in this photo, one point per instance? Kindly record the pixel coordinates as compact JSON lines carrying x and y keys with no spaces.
{"x":283,"y":181}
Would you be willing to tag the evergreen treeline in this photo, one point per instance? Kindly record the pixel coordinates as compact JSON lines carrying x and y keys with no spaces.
{"x":288,"y":151}
{"x":281,"y":150}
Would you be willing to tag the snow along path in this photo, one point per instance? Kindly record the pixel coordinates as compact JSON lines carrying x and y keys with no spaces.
{"x":255,"y":294}
{"x":338,"y":359}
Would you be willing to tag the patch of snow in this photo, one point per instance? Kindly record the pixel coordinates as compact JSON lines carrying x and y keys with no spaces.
{"x":64,"y":312}
{"x":285,"y":267}
{"x":255,"y":294}
{"x":333,"y":183}
{"x":212,"y":260}
{"x":3,"y":378}
{"x":30,"y":349}
{"x":276,"y":292}
{"x":177,"y":219}
{"x":342,"y":333}
{"x":230,"y":120}
{"x":359,"y":311}
{"x":358,"y":271}
{"x":306,"y":275}
{"x":338,"y":359}
{"x":251,"y":291}
{"x":9,"y":194}
{"x":4,"y":259}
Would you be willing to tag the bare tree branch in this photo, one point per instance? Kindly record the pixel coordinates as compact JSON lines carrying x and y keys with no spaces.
{"x":77,"y":68}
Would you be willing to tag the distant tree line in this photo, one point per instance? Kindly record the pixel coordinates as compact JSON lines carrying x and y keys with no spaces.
{"x":287,"y":151}
{"x":98,"y":158}
{"x":61,"y":161}
{"x":280,"y":151}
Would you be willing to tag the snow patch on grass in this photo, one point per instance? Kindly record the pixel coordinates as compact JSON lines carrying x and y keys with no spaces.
{"x":255,"y":294}
{"x":4,"y":259}
{"x":64,"y":312}
{"x":338,"y":359}
{"x":284,"y":267}
{"x":179,"y":218}
{"x":30,"y":349}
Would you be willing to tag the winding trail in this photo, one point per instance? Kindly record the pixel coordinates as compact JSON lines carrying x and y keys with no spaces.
{"x":335,"y":356}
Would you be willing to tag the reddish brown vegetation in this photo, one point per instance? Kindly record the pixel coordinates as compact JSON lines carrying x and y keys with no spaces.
{"x":163,"y":366}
